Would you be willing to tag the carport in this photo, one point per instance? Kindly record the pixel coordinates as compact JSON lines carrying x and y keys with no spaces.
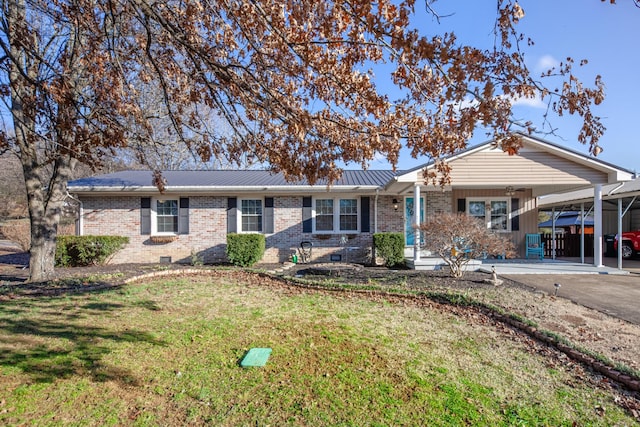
{"x":615,"y":208}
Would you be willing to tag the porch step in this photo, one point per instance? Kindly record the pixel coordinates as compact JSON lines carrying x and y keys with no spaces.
{"x":436,"y":263}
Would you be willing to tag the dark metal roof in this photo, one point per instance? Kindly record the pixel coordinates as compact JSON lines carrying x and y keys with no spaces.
{"x":566,"y":219}
{"x":224,"y":178}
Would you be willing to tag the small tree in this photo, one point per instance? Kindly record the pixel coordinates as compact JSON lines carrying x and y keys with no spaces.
{"x":459,"y":238}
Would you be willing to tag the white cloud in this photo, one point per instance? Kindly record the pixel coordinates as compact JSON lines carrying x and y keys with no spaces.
{"x":528,"y":102}
{"x":545,"y":63}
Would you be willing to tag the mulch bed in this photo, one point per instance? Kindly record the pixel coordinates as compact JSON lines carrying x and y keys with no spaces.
{"x":14,"y":273}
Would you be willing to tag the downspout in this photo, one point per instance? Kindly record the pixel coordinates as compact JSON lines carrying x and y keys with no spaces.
{"x":80,"y":223}
{"x":375,"y":211}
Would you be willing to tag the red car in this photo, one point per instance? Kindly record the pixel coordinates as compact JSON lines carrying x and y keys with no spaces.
{"x":630,"y":244}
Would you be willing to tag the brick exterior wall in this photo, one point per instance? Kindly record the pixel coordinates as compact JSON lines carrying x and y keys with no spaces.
{"x":120,"y":215}
{"x":390,"y":220}
{"x":108,"y":215}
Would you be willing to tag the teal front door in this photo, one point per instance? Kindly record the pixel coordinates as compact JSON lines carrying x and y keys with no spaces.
{"x":409,"y":208}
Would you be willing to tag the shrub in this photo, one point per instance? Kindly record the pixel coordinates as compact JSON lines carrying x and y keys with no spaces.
{"x":18,"y":231}
{"x":245,"y":249}
{"x":196,"y":258}
{"x":76,"y":251}
{"x":459,"y":238}
{"x":390,"y":247}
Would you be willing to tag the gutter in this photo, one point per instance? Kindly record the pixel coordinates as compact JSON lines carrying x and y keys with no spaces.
{"x":375,"y":212}
{"x":80,"y":226}
{"x":226,"y":189}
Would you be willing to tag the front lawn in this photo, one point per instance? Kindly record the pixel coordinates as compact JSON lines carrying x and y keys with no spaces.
{"x":167,"y":353}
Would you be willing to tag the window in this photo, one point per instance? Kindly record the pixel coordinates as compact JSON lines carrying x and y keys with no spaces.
{"x":324,"y":214}
{"x":499,"y":215}
{"x":494,"y":213}
{"x":329,"y":219}
{"x":348,"y":214}
{"x":166,"y":216}
{"x":251,"y":215}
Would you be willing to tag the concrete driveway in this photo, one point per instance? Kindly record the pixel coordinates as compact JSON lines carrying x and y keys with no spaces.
{"x":616,"y":295}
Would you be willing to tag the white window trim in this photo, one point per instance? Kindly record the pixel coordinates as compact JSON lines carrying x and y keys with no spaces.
{"x":336,"y":214}
{"x":239,"y":215}
{"x":487,"y":214}
{"x":154,"y":216}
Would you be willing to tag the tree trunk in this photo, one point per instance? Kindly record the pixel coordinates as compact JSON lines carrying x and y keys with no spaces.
{"x":45,"y":207}
{"x":42,"y":259}
{"x":47,"y":165}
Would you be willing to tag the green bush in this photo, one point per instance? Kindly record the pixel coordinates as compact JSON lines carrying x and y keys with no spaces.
{"x":390,"y":247}
{"x":245,"y":249}
{"x":77,"y":251}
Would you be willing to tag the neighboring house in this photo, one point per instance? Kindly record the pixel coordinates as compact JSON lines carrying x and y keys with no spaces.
{"x":199,"y":208}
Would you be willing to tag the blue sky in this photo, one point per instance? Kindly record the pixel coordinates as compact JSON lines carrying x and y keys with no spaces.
{"x":608,"y":36}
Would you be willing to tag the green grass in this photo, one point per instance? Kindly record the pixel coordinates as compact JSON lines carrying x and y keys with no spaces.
{"x":167,"y":353}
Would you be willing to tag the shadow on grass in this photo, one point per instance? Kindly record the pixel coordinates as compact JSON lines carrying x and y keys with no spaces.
{"x":46,"y":344}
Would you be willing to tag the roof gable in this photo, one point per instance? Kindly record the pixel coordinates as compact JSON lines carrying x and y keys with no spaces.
{"x":548,"y":156}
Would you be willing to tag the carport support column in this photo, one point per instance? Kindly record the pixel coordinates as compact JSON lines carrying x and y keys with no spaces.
{"x":582,"y":233}
{"x":619,"y":254}
{"x":416,"y":222}
{"x":597,"y":225}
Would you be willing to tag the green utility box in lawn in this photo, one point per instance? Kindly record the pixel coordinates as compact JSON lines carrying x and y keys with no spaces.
{"x":255,"y":357}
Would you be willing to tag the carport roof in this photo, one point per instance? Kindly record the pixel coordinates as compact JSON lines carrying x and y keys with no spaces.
{"x":620,"y":190}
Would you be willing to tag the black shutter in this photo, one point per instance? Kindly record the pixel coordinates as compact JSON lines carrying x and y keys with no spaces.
{"x":365,"y":217}
{"x":307,"y":224}
{"x":232,"y":215}
{"x":462,"y":205}
{"x":183,"y":216}
{"x":515,"y":218}
{"x":145,"y":215}
{"x":268,"y":215}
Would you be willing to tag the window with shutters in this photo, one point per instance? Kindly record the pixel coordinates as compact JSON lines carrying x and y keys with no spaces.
{"x":336,"y":215}
{"x":493,"y":212}
{"x":348,"y":214}
{"x":324,"y":215}
{"x":165,"y":216}
{"x":250,"y":215}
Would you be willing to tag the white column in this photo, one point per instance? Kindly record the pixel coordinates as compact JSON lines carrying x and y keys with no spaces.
{"x":553,"y":233}
{"x":597,"y":225}
{"x":619,"y":254}
{"x":582,"y":233}
{"x":416,"y":222}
